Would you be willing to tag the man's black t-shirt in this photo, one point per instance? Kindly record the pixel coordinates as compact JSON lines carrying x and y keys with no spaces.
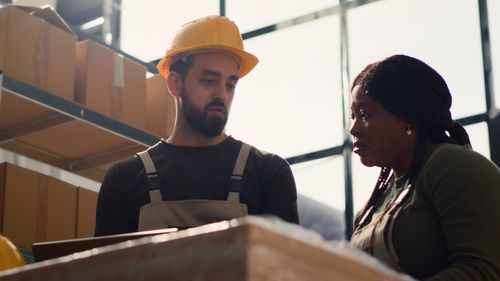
{"x":195,"y":173}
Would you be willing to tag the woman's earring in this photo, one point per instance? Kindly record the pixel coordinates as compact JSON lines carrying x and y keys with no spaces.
{"x":408,"y":130}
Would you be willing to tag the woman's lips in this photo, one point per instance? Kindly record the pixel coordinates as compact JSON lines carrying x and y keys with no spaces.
{"x":359,"y":147}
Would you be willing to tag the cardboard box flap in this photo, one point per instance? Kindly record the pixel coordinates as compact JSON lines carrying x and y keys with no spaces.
{"x":27,"y":9}
{"x":49,"y":15}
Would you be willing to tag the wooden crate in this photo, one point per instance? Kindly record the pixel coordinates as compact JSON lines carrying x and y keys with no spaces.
{"x":247,"y":249}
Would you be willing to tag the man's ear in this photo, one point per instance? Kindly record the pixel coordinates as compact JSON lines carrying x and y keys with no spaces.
{"x":174,"y":83}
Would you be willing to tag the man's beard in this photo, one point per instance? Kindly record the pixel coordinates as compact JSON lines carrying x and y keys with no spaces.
{"x":209,"y":126}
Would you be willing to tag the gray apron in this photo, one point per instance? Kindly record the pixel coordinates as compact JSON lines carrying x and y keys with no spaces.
{"x":376,"y":236}
{"x":189,"y":213}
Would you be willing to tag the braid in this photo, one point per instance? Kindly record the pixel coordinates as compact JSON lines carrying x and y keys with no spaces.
{"x":458,"y":134}
{"x":418,"y":154}
{"x":380,"y":187}
{"x":455,"y":134}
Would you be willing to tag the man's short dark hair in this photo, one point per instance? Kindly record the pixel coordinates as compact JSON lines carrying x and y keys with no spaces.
{"x":182,"y":66}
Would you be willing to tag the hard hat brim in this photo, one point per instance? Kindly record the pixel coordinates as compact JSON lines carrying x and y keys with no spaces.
{"x":247,"y":60}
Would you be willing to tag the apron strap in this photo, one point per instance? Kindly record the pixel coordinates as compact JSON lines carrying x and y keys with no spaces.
{"x":155,"y":196}
{"x":149,"y":166}
{"x":236,"y":183}
{"x":152,"y":177}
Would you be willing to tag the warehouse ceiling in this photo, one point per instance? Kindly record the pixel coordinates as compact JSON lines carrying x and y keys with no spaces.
{"x":77,"y":13}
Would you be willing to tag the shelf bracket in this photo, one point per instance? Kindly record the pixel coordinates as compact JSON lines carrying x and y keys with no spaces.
{"x":9,"y":134}
{"x":101,"y":158}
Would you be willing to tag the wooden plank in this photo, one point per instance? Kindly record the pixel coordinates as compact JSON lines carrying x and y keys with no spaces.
{"x":247,"y":249}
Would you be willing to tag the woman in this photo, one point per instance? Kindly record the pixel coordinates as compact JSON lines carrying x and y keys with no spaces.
{"x":435,"y":210}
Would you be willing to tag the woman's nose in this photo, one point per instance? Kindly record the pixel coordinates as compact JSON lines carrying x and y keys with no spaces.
{"x":354,"y":130}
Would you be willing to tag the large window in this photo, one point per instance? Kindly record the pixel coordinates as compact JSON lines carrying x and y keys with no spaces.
{"x":443,"y":33}
{"x":291,"y":103}
{"x":255,"y":14}
{"x":322,"y":180}
{"x":148,"y":26}
{"x":478,"y":134}
{"x":363,"y":181}
{"x":494,"y":24}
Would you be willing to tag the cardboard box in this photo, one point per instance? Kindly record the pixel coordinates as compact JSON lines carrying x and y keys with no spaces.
{"x":87,"y":203}
{"x":37,"y":47}
{"x":35,"y":207}
{"x":160,"y":107}
{"x":110,"y":84}
{"x":245,"y":249}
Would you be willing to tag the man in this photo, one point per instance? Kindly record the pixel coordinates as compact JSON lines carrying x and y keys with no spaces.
{"x":199,"y":174}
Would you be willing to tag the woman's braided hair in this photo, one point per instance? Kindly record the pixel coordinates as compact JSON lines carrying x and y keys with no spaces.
{"x":417,"y":94}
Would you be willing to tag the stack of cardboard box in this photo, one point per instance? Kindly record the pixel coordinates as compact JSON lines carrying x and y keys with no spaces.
{"x":36,"y":208}
{"x":160,"y":113}
{"x":110,"y":84}
{"x":38,"y":48}
{"x":85,"y":212}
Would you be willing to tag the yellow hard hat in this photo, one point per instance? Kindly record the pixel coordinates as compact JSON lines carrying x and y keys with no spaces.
{"x":208,"y":33}
{"x":9,"y":256}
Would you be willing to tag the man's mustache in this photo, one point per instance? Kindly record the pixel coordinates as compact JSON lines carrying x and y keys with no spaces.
{"x":217,"y":103}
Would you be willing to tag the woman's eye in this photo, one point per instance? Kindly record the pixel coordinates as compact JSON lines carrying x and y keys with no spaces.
{"x":364,"y":115}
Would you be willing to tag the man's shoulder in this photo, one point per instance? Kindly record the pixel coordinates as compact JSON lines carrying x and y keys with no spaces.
{"x":255,"y":151}
{"x":263,"y":153}
{"x":265,"y":156}
{"x":130,"y":165}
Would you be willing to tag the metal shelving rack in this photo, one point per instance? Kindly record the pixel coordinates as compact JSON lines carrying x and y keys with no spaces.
{"x":62,"y":133}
